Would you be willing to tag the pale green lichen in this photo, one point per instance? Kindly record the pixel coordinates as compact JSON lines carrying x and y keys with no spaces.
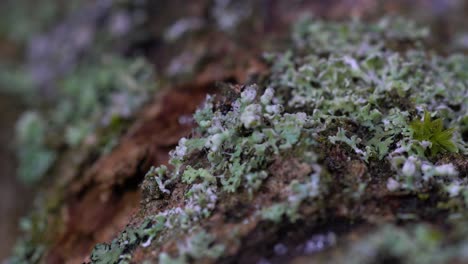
{"x":119,"y":250}
{"x":21,"y":20}
{"x":197,"y":247}
{"x":33,"y":154}
{"x":237,"y":156}
{"x":230,"y":145}
{"x":344,"y":84}
{"x":416,"y":243}
{"x":298,"y":193}
{"x":94,"y":107}
{"x":404,"y":245}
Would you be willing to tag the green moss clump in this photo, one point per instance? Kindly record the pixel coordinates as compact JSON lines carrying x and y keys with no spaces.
{"x":433,"y":131}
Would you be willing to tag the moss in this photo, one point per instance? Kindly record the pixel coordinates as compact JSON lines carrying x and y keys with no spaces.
{"x":432,"y":131}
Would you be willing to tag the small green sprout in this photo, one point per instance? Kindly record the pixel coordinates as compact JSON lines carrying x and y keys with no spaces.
{"x":433,"y":132}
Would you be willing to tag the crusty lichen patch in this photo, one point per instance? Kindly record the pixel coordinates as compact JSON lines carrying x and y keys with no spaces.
{"x":331,"y":132}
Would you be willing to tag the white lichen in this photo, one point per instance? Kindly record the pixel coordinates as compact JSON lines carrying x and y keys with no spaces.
{"x":251,"y":116}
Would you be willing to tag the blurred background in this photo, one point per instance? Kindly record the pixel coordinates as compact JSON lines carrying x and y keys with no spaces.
{"x":74,"y":73}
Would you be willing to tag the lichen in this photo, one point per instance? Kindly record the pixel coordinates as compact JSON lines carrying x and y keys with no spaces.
{"x":346,"y":86}
{"x":33,"y":155}
{"x":197,"y":247}
{"x":95,"y":105}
